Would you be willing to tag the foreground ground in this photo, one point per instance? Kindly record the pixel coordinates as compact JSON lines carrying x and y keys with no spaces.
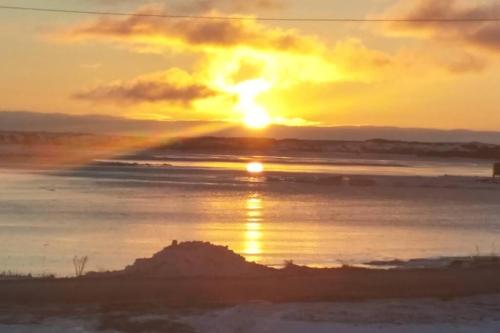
{"x":475,"y":314}
{"x":331,"y":285}
{"x":191,"y":274}
{"x":347,"y":300}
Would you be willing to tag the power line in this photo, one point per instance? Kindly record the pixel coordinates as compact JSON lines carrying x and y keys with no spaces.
{"x":243,"y":18}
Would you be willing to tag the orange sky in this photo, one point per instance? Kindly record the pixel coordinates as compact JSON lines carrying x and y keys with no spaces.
{"x":328,"y":74}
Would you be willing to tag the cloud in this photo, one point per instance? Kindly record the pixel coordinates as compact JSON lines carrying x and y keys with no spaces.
{"x":239,"y":49}
{"x":233,"y":51}
{"x":173,"y":86}
{"x":239,"y":6}
{"x":194,"y":34}
{"x":197,"y":6}
{"x":464,"y":63}
{"x":478,"y":35}
{"x":246,"y":60}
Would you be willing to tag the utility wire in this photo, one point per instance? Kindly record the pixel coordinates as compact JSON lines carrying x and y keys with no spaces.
{"x":243,"y":18}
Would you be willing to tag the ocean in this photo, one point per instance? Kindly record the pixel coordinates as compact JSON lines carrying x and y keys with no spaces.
{"x":115,"y":211}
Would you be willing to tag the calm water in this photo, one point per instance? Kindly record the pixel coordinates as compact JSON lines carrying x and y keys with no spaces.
{"x":116,"y":214}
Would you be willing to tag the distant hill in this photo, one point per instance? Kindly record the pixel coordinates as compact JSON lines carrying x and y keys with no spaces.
{"x":25,"y":143}
{"x":327,"y":147}
{"x":98,"y":124}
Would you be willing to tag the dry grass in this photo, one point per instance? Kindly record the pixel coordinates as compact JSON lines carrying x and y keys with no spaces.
{"x":79,"y":264}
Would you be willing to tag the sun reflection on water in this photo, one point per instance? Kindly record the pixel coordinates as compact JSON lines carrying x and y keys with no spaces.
{"x":253,"y":228}
{"x":255,"y":167}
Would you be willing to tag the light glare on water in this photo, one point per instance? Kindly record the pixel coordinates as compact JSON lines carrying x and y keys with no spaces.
{"x":253,"y":227}
{"x":255,"y":167}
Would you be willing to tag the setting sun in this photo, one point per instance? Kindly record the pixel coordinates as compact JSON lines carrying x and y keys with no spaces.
{"x":254,"y":115}
{"x":257,"y":118}
{"x":255,"y":167}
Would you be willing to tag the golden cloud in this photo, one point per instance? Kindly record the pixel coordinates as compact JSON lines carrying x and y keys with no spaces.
{"x":229,"y":46}
{"x":243,"y":66}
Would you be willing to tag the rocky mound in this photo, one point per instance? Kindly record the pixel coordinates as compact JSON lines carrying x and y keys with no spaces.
{"x":195,"y":259}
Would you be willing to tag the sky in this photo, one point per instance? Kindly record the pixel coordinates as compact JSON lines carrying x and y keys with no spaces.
{"x":420,"y":75}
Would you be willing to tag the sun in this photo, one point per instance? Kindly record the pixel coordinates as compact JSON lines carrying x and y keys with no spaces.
{"x":255,"y":116}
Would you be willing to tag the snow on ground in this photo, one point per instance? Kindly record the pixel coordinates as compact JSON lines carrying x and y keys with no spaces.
{"x":480,"y":314}
{"x":51,"y":326}
{"x":307,"y":327}
{"x":471,"y":315}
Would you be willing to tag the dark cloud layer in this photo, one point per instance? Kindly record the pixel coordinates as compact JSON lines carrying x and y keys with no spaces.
{"x":230,"y":5}
{"x":147,"y":90}
{"x":191,"y":32}
{"x":196,"y":6}
{"x":484,"y":35}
